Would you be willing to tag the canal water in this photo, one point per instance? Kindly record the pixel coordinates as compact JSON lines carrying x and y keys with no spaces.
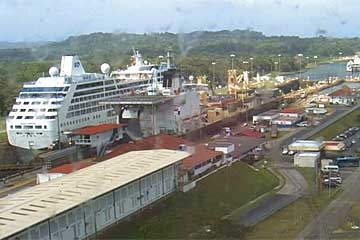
{"x":325,"y":71}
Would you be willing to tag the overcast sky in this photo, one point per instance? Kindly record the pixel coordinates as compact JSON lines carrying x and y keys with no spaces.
{"x":34,"y":20}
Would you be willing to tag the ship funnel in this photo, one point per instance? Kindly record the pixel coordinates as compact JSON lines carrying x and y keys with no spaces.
{"x":71,"y":66}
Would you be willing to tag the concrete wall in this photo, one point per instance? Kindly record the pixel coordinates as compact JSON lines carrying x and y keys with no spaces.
{"x":94,"y":215}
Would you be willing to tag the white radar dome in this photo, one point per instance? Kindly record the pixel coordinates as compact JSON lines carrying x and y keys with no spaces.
{"x":105,"y":68}
{"x":53,"y":71}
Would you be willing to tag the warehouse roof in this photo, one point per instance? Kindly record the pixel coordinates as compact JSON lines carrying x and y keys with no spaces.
{"x":25,"y":208}
{"x":160,"y":141}
{"x":306,"y":144}
{"x":98,"y":128}
{"x":70,"y":167}
{"x":292,"y":110}
{"x":270,"y":112}
{"x":251,"y":133}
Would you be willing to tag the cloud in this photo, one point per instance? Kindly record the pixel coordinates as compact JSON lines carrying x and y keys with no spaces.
{"x":54,"y":20}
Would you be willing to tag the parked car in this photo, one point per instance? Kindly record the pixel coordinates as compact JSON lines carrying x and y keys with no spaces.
{"x":302,"y":124}
{"x":291,"y":152}
{"x":284,"y":151}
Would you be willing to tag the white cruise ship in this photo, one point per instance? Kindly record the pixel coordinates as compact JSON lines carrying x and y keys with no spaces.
{"x":49,"y":108}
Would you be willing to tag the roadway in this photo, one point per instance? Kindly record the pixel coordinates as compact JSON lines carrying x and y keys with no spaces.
{"x":295,"y":185}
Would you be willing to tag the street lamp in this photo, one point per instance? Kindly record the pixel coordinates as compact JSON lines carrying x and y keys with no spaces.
{"x":279,"y":56}
{"x":245,"y":62}
{"x":315,"y":57}
{"x":251,"y":64}
{"x":213,"y":67}
{"x":160,"y":58}
{"x":276,"y":66}
{"x":232,"y":60}
{"x":340,"y":54}
{"x":300,"y":55}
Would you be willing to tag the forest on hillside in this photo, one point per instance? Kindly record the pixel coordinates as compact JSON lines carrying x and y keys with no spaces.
{"x":194,"y":53}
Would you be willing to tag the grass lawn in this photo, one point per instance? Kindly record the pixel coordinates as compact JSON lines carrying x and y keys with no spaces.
{"x":289,"y":221}
{"x":2,"y":124}
{"x":350,"y":120}
{"x":3,"y":137}
{"x":183,"y":214}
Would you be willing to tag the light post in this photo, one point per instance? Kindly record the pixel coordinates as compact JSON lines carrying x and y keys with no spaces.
{"x":213,"y":68}
{"x":160,"y":58}
{"x":279,"y":56}
{"x":300,"y":55}
{"x":232,"y":56}
{"x":276,"y":66}
{"x":340,"y":55}
{"x":245,"y":62}
{"x":251,"y":66}
{"x":315,"y":57}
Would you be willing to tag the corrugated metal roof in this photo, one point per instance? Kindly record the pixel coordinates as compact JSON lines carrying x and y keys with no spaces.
{"x":200,"y":155}
{"x":98,"y":128}
{"x":25,"y":208}
{"x":292,"y":110}
{"x":160,"y":141}
{"x":70,"y":167}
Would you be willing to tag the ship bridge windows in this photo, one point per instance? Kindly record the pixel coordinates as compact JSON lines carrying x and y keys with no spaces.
{"x":43,"y":89}
{"x":17,"y":103}
{"x":18,"y":127}
{"x":89,"y":85}
{"x":45,"y":103}
{"x":38,"y":127}
{"x":97,"y":90}
{"x":50,"y":117}
{"x":14,"y":110}
{"x":22,"y":110}
{"x":26,"y":103}
{"x":19,"y":117}
{"x":28,"y":127}
{"x":52,"y":110}
{"x":29,"y":117}
{"x":31,"y":110}
{"x":36,"y":103}
{"x":42,"y":109}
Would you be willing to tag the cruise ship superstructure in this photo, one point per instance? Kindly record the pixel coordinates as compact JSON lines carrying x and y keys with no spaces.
{"x":48,"y":109}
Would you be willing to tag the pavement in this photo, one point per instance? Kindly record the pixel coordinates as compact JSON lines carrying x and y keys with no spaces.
{"x":335,"y":213}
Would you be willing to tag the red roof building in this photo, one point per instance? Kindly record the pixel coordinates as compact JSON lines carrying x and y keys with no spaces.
{"x":201,"y":156}
{"x":343,"y":92}
{"x":251,"y":133}
{"x":98,"y":128}
{"x":292,"y":110}
{"x":70,"y":167}
{"x":160,"y":141}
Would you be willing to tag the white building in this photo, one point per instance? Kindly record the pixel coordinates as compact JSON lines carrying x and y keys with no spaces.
{"x":306,"y":146}
{"x":82,"y":203}
{"x":267,"y":116}
{"x":306,"y":159}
